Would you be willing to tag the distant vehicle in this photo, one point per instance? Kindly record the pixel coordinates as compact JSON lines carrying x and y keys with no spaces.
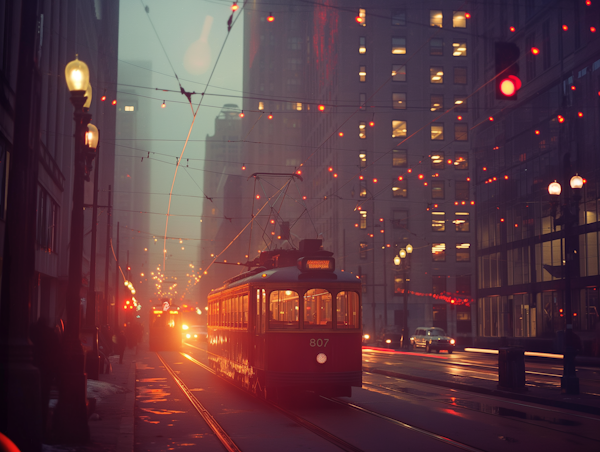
{"x":165,"y":327}
{"x":195,"y":332}
{"x":390,"y":336}
{"x":432,"y":338}
{"x":366,"y":339}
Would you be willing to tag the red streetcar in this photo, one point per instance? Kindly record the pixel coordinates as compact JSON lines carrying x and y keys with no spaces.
{"x":165,"y":327}
{"x":293,"y":323}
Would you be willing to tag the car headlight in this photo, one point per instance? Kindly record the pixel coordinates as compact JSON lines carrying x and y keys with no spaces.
{"x":185,"y":327}
{"x":388,"y":341}
{"x":452,"y":341}
{"x":188,"y":335}
{"x":412,"y":338}
{"x":195,"y":335}
{"x":366,"y":336}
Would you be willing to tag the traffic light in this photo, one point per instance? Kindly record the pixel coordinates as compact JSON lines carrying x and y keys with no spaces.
{"x":507,"y":70}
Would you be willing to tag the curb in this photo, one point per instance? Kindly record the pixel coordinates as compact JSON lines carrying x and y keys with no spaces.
{"x":125,"y":437}
{"x":522,"y":396}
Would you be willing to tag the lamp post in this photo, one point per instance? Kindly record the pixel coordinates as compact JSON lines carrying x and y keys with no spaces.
{"x":403,"y":259}
{"x":569,"y":219}
{"x":71,"y":410}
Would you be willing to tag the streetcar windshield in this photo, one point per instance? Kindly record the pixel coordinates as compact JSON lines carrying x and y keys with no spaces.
{"x":317,"y":309}
{"x":283,"y":305}
{"x":347,"y":310}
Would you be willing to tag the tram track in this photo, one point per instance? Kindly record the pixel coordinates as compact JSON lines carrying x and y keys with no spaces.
{"x":339,"y":442}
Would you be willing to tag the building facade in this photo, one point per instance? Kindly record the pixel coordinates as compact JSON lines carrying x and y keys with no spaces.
{"x":520,"y":146}
{"x":370,"y":104}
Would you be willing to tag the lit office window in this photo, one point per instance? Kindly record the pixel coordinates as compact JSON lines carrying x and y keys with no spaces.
{"x":461,"y":160}
{"x":362,"y":45}
{"x":399,"y":101}
{"x":461,"y":222}
{"x":363,"y":219}
{"x":437,"y":131}
{"x":362,"y":130}
{"x":299,"y":106}
{"x":463,"y":252}
{"x":129,"y":108}
{"x":399,"y":158}
{"x":362,"y":15}
{"x":362,"y":73}
{"x":363,"y":190}
{"x":438,"y":252}
{"x":437,"y":102}
{"x":398,"y":129}
{"x":400,"y":188}
{"x":459,"y":19}
{"x":436,"y":74}
{"x":460,"y":104}
{"x":261,"y":106}
{"x":363,"y":159}
{"x":438,"y":221}
{"x":437,"y":160}
{"x":398,"y":46}
{"x":459,"y":49}
{"x":435,"y":18}
{"x":398,"y":72}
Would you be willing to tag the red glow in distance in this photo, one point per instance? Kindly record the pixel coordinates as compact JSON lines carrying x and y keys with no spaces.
{"x":491,"y":118}
{"x":507,"y":87}
{"x":375,"y":180}
{"x":565,"y":28}
{"x":588,"y":2}
{"x":341,"y":134}
{"x":400,"y":178}
{"x":421,"y":176}
{"x":467,"y":15}
{"x":241,"y":114}
{"x":535,"y":50}
{"x":459,"y":118}
{"x":335,"y":175}
{"x":270,"y":18}
{"x":321,"y":107}
{"x":513,"y":29}
{"x":580,"y":114}
{"x":593,"y":29}
{"x":234,"y":7}
{"x":573,"y":88}
{"x":299,"y":172}
{"x":359,"y":19}
{"x":537,"y":132}
{"x":270,"y":116}
{"x":361,"y":177}
{"x":103,"y":98}
{"x":114,"y":102}
{"x":330,"y":169}
{"x":372,"y":123}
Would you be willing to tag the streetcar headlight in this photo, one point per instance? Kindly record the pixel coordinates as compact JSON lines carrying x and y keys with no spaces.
{"x":388,"y":341}
{"x":452,"y":341}
{"x":188,"y":335}
{"x":321,"y":358}
{"x":195,"y":336}
{"x":185,"y":327}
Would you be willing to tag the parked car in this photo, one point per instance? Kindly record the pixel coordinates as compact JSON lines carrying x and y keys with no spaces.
{"x":432,"y":338}
{"x":195,"y":332}
{"x":390,"y":336}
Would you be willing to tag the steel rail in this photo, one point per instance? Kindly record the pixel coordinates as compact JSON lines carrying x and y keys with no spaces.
{"x":220,"y":433}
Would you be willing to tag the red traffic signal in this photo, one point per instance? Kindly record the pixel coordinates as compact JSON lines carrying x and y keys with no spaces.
{"x":507,"y":70}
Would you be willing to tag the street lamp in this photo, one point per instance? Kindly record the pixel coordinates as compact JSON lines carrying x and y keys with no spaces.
{"x":569,"y":219}
{"x":71,"y":410}
{"x":402,"y":255}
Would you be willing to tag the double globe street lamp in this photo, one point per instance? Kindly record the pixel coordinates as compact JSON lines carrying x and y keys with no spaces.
{"x":569,"y":219}
{"x":403,"y":258}
{"x":71,"y":410}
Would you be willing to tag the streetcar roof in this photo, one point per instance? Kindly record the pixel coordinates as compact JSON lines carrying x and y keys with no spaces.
{"x":294,"y":275}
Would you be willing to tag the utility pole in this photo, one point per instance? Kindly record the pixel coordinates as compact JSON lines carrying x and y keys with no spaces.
{"x":104,"y":313}
{"x":117,"y":285}
{"x":91,"y":295}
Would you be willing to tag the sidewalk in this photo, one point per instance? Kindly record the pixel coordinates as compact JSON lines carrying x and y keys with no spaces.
{"x":111,"y":423}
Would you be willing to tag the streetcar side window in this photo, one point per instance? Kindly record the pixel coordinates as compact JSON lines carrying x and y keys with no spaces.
{"x":317,"y":309}
{"x":284,"y":309}
{"x":244,"y":311}
{"x":347,"y":310}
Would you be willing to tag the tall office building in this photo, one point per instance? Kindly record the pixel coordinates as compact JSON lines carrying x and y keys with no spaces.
{"x":550,"y":132}
{"x":370,"y":104}
{"x":222,"y":217}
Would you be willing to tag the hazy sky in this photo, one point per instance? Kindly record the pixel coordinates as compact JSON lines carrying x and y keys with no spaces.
{"x":192,"y":33}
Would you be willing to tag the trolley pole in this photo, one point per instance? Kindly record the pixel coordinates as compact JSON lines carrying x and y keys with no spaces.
{"x":116,"y":313}
{"x":104,"y":312}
